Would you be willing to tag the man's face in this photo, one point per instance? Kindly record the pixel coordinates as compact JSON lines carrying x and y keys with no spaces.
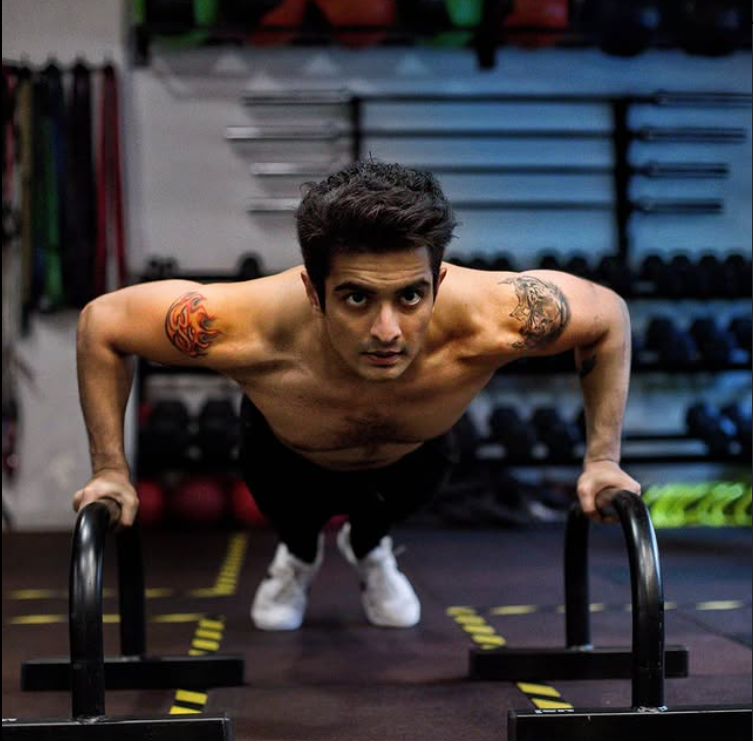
{"x":378,"y":311}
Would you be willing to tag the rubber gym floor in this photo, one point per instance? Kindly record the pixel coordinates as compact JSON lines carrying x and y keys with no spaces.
{"x":339,"y":679}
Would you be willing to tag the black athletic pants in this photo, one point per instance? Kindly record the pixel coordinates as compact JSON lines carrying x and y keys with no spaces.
{"x":299,"y":497}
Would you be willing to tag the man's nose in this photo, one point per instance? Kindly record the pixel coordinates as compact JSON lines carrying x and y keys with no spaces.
{"x":386,"y":327}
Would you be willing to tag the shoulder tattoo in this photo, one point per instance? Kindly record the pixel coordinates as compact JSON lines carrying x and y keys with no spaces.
{"x":542,"y":309}
{"x":188,"y":325}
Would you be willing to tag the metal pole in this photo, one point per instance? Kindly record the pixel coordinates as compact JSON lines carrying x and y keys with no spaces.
{"x":577,"y":592}
{"x":131,"y":591}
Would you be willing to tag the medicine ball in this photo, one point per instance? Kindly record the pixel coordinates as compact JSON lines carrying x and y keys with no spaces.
{"x":346,"y":13}
{"x":244,"y":508}
{"x":200,"y":501}
{"x":289,"y":14}
{"x":152,"y":502}
{"x":545,"y":14}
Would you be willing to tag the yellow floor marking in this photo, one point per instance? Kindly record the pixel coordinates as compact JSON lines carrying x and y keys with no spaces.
{"x":195,"y":698}
{"x":176,"y":710}
{"x":480,"y":630}
{"x":470,"y":620}
{"x":550,"y":704}
{"x":538,"y":689}
{"x":38,"y":620}
{"x":214,"y":635}
{"x":454,"y":611}
{"x":212,"y":624}
{"x":28,"y":594}
{"x":515,"y":610}
{"x":719,"y":605}
{"x":206,"y":645}
{"x":159,"y":592}
{"x":490,"y":641}
{"x":189,"y":617}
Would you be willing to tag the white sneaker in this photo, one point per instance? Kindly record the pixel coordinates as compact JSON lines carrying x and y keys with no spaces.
{"x":281,"y":600}
{"x":387,"y":595}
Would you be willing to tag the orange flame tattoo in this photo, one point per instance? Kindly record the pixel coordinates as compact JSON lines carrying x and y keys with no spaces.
{"x":188,"y":325}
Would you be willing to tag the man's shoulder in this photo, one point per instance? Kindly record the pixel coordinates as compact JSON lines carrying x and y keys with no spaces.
{"x":260,"y":316}
{"x":474,"y":309}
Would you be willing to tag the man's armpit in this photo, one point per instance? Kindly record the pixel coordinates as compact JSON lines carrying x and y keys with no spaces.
{"x":188,"y":325}
{"x":543,"y":312}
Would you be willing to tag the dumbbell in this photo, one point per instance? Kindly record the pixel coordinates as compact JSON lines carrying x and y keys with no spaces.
{"x":550,"y":261}
{"x":617,"y":274}
{"x":741,"y":416}
{"x":513,"y":432}
{"x":161,"y":268}
{"x":478,"y":262}
{"x":652,"y":270}
{"x":579,"y":265}
{"x":716,"y":344}
{"x":166,"y":435}
{"x":680,"y":278}
{"x":675,"y":347}
{"x":560,"y":436}
{"x":218,"y":432}
{"x":623,"y":29}
{"x":469,"y":440}
{"x":706,"y":423}
{"x":742,"y":329}
{"x":250,"y":267}
{"x":715,"y":278}
{"x":741,"y":270}
{"x":503,"y":263}
{"x":710,"y":28}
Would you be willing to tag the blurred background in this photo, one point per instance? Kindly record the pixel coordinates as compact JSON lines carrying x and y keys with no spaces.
{"x":170,"y":138}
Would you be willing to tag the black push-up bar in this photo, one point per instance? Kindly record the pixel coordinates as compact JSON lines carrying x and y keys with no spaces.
{"x":648,"y":719}
{"x":88,"y":673}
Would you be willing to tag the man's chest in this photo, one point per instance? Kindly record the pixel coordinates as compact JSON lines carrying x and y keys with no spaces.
{"x":314,"y":416}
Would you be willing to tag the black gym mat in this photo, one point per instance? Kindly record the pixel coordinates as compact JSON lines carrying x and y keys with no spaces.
{"x":341,"y":680}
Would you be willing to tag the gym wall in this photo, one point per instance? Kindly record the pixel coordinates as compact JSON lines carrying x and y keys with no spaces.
{"x":188,"y":188}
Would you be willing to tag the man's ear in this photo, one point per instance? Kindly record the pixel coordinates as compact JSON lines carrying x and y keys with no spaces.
{"x":311,"y":293}
{"x":442,"y":276}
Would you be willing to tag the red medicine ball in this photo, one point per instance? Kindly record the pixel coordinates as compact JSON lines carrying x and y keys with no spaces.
{"x":200,"y":500}
{"x":152,"y":502}
{"x":243,"y":505}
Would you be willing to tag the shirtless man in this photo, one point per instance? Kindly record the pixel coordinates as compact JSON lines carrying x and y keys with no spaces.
{"x":354,"y":369}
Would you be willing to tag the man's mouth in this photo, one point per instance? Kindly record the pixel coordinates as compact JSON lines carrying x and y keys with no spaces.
{"x":382,"y":357}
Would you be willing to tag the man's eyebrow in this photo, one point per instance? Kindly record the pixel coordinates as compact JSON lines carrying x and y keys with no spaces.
{"x":351,"y":286}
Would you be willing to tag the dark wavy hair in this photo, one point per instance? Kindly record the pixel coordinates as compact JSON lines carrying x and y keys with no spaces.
{"x":372,"y":207}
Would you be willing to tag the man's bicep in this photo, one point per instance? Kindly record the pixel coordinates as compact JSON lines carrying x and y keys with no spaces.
{"x":171,"y":322}
{"x":550,"y":312}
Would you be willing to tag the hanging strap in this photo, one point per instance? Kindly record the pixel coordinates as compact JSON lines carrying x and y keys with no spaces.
{"x":110,"y":219}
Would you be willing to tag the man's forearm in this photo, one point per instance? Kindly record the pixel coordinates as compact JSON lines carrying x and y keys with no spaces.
{"x":605,"y":379}
{"x":104,"y":379}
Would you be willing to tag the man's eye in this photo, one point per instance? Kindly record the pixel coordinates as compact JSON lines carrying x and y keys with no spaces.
{"x":411,"y":298}
{"x":356,"y":299}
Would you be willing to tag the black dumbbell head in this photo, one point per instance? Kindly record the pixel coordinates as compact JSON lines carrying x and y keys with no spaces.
{"x":660,"y":330}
